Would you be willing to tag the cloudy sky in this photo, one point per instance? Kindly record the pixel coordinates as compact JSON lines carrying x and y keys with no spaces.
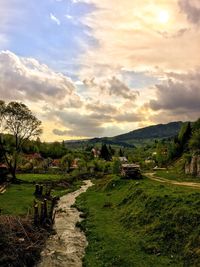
{"x":91,"y":68}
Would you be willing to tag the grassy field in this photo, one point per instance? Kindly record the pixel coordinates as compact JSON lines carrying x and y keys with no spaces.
{"x":30,"y":177}
{"x":18,"y":198}
{"x":140,"y":223}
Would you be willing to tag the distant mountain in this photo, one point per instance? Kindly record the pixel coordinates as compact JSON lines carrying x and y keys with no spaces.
{"x":136,"y":137}
{"x":152,"y":132}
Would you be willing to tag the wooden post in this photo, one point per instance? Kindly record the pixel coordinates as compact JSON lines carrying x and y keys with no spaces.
{"x":41,"y":190}
{"x":45,"y":209}
{"x":37,"y":189}
{"x":48,"y":192}
{"x":42,"y":212}
{"x":36,"y":214}
{"x":53,"y":203}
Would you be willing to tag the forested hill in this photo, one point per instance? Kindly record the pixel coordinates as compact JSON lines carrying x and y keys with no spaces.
{"x":151,"y":132}
{"x":135,"y":137}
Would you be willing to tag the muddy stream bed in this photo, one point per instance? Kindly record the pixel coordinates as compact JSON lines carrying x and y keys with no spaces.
{"x":67,"y":247}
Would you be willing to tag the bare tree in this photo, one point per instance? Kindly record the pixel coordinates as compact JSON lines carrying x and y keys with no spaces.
{"x":17,"y":120}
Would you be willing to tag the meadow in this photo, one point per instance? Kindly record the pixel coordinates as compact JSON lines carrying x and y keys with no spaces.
{"x":18,"y":198}
{"x":140,"y":223}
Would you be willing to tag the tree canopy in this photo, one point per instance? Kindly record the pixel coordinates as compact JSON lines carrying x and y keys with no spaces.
{"x":16,"y":120}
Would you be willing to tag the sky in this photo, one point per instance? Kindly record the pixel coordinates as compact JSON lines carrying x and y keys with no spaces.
{"x":90,"y":68}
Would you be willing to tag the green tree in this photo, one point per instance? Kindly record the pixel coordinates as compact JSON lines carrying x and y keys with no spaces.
{"x":17,"y":120}
{"x":105,"y":154}
{"x":111,"y":150}
{"x":194,"y":142}
{"x":184,"y":136}
{"x":66,"y":161}
{"x":121,"y":153}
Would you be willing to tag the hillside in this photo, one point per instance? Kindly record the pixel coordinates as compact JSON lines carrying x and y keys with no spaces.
{"x":151,"y":132}
{"x":147,"y":224}
{"x":134,"y":137}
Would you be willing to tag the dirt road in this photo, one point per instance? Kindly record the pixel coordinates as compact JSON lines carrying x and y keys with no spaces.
{"x":152,"y":176}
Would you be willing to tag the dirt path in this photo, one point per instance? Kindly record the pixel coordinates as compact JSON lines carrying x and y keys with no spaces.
{"x":174,"y":182}
{"x":67,"y":247}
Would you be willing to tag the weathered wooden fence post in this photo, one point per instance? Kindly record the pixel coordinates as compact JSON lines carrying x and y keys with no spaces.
{"x":41,"y":190}
{"x":37,"y":189}
{"x":36,"y":214}
{"x":42,"y":212}
{"x":45,"y":210}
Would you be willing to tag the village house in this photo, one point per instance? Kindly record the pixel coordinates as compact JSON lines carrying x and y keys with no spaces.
{"x":34,"y":156}
{"x":96,"y":152}
{"x":123,"y":159}
{"x":131,"y":171}
{"x":74,"y":164}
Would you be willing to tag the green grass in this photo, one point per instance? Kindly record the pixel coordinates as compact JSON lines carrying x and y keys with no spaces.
{"x":130,"y":223}
{"x":176,"y":175}
{"x":18,"y":198}
{"x":30,"y":177}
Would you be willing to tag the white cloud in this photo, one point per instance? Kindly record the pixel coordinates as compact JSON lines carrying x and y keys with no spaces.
{"x":55,"y":19}
{"x":112,"y":87}
{"x":69,"y":16}
{"x":129,"y":35}
{"x":27,"y":79}
{"x":179,"y":92}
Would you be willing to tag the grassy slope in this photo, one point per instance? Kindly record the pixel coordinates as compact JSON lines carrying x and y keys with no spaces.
{"x":130,"y":223}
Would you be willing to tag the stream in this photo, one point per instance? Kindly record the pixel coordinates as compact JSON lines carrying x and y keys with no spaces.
{"x":67,"y":247}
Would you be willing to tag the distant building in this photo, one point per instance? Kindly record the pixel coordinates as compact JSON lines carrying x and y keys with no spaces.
{"x":34,"y":156}
{"x":55,"y":163}
{"x":74,"y":164}
{"x":149,"y":161}
{"x":131,"y":171}
{"x":159,"y":168}
{"x":96,"y":152}
{"x":123,"y":159}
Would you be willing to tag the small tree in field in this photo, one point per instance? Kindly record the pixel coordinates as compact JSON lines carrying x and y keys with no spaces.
{"x":18,"y":121}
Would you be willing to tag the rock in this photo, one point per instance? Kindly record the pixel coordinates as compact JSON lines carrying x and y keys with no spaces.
{"x":193,"y":167}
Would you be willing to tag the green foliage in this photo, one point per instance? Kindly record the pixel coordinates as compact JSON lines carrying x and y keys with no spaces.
{"x":105,"y":153}
{"x":151,"y":132}
{"x":97,"y":165}
{"x":196,"y":125}
{"x":18,"y":121}
{"x":184,"y":135}
{"x":66,"y":162}
{"x":121,"y":153}
{"x":116,"y":167}
{"x":194,"y":142}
